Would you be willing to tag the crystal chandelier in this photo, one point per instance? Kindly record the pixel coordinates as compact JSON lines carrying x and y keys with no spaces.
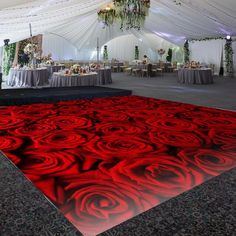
{"x":131,"y":14}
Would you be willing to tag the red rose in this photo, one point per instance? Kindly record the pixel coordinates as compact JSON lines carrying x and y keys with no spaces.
{"x":34,"y":111}
{"x":120,"y":146}
{"x":191,"y":115}
{"x":179,"y":139}
{"x":144,"y":114}
{"x":224,"y":137}
{"x":216,"y":122}
{"x":105,"y":116}
{"x":33,"y":130}
{"x":15,"y":159}
{"x":41,"y":163}
{"x":97,"y":205}
{"x":72,"y":110}
{"x":212,"y":112}
{"x":9,"y":143}
{"x":9,"y":122}
{"x":68,"y":122}
{"x":160,"y":174}
{"x":172,"y":124}
{"x":210,"y":161}
{"x":62,"y":139}
{"x":123,"y":128}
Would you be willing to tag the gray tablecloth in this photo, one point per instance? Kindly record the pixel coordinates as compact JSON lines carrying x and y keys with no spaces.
{"x":55,"y":68}
{"x":104,"y":76}
{"x":59,"y":80}
{"x":27,"y":78}
{"x":195,"y":76}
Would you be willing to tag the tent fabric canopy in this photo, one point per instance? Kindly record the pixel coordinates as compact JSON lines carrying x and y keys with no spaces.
{"x":76,"y":20}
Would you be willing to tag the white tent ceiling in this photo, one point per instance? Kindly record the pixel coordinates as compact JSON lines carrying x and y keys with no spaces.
{"x":76,"y":20}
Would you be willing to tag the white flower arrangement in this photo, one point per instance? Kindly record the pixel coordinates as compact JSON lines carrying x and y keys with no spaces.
{"x":161,"y":51}
{"x":30,"y":48}
{"x":75,"y":68}
{"x":49,"y":62}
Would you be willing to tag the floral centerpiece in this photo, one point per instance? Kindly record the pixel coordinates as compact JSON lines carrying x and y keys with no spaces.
{"x":161,"y":52}
{"x":94,"y":66}
{"x":49,"y":62}
{"x":30,"y":49}
{"x":46,"y":58}
{"x":75,"y":69}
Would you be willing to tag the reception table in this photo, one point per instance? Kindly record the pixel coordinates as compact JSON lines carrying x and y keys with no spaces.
{"x":61,"y":80}
{"x":195,"y":76}
{"x":104,"y":76}
{"x":28,"y":77}
{"x":54,"y":68}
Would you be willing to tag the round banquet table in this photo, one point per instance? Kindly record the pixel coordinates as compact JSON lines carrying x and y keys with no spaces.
{"x":104,"y":76}
{"x":195,"y":76}
{"x":62,"y":80}
{"x":28,"y":77}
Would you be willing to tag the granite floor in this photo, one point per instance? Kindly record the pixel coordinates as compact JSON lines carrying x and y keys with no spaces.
{"x":221,"y":94}
{"x":208,"y":209}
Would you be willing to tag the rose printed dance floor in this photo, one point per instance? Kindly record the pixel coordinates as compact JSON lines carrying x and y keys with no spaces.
{"x":105,"y":160}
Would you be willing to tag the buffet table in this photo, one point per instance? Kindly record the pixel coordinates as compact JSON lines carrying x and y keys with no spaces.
{"x":104,"y":76}
{"x":63,"y":80}
{"x":28,"y":77}
{"x":195,"y":76}
{"x":55,"y":68}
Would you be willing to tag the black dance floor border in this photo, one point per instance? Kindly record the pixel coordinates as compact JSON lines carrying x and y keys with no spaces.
{"x":10,"y":97}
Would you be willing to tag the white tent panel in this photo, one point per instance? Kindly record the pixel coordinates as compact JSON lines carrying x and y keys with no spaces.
{"x":214,"y":49}
{"x":60,"y":48}
{"x":123,"y":47}
{"x":76,"y":20}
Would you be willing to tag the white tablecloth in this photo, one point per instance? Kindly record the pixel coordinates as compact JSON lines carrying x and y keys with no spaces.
{"x":28,"y":77}
{"x":61,"y":80}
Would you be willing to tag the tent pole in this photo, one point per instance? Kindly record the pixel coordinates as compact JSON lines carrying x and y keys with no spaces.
{"x":97,"y":50}
{"x":31,"y":36}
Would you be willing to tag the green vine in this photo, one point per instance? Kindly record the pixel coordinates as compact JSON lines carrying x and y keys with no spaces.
{"x":105,"y":53}
{"x":229,"y":57}
{"x":136,"y":53}
{"x":8,"y":57}
{"x":205,"y":39}
{"x":107,"y":16}
{"x":186,"y":52}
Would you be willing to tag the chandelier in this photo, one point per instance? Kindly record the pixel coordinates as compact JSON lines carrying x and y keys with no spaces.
{"x":129,"y":13}
{"x":107,"y":16}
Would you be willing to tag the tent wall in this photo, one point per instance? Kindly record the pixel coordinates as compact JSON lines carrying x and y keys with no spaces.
{"x":124,"y":47}
{"x":60,"y":48}
{"x":208,"y":52}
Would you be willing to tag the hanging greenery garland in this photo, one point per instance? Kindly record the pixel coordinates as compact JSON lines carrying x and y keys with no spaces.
{"x":229,"y":58}
{"x":130,"y":14}
{"x":107,"y":16}
{"x":186,"y":52}
{"x":105,"y":53}
{"x":205,"y":39}
{"x":8,"y":57}
{"x":136,"y":54}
